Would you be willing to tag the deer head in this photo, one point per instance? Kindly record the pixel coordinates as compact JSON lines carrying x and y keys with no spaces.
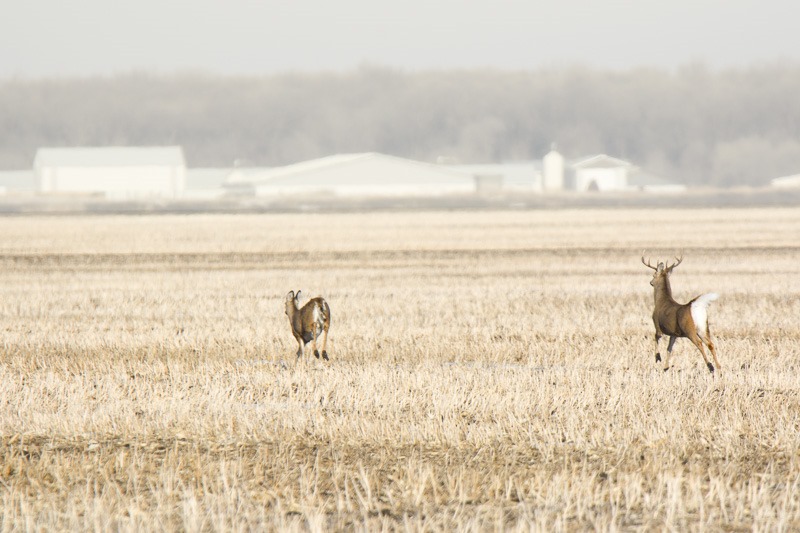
{"x":661,"y":271}
{"x":292,"y":302}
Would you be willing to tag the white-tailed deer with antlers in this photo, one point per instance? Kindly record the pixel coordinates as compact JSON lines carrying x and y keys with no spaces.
{"x":309,"y":322}
{"x":675,"y":320}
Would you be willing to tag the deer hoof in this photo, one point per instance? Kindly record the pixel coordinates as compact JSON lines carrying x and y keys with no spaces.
{"x":325,"y":355}
{"x":316,"y":354}
{"x":658,"y":358}
{"x":710,"y":367}
{"x":666,"y":368}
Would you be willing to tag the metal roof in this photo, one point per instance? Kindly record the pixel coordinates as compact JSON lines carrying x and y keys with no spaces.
{"x":373,"y":168}
{"x":601,"y":161}
{"x":786,"y":181}
{"x":257,"y":175}
{"x":110,"y":156}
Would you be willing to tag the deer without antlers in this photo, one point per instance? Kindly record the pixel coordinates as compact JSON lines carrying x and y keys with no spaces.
{"x":676,"y":320}
{"x":308,"y":322}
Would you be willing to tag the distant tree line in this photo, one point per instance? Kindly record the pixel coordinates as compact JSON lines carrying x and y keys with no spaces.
{"x":694,"y":125}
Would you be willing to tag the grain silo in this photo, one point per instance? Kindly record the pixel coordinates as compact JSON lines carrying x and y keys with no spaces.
{"x":553,"y":171}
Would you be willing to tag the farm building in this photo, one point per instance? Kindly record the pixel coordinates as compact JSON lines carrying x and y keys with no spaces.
{"x":361,"y":175}
{"x":117,"y":173}
{"x":600,"y":173}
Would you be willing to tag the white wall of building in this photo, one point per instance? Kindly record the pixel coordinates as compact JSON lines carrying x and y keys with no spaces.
{"x":115,"y":183}
{"x":605,"y":179}
{"x":365,"y":190}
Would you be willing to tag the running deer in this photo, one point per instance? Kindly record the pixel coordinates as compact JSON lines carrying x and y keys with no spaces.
{"x":675,"y":320}
{"x":309,"y":322}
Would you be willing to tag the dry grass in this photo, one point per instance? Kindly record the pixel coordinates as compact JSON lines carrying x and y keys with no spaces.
{"x":489,"y":371}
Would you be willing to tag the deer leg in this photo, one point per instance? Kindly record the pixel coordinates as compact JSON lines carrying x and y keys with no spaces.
{"x":658,"y":355}
{"x":712,"y":348}
{"x":324,"y":343}
{"x":672,"y":340}
{"x":300,"y":348}
{"x":314,"y":335}
{"x":699,"y":343}
{"x":713,"y":351}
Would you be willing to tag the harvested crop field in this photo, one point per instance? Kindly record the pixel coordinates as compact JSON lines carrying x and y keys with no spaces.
{"x":489,"y":371}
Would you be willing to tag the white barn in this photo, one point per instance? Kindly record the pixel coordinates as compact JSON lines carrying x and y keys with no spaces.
{"x":117,"y":173}
{"x":602,"y":173}
{"x":354,"y":175}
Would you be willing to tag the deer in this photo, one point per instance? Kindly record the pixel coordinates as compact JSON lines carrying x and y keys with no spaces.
{"x":689,"y":320}
{"x":309,"y":322}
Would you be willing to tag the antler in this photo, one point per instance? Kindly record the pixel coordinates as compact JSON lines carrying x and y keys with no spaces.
{"x":648,"y":263}
{"x":680,"y":259}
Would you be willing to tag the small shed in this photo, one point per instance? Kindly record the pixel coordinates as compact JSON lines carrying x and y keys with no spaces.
{"x":520,"y":176}
{"x":116,"y":173}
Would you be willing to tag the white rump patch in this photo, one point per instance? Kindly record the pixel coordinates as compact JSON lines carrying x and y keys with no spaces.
{"x":700,"y":312}
{"x":317,"y":315}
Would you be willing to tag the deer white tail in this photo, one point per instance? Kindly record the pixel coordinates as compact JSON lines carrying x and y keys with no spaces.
{"x":700,"y":312}
{"x":318,"y":316}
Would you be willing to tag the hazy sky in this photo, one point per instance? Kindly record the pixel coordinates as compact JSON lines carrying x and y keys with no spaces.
{"x":41,"y":38}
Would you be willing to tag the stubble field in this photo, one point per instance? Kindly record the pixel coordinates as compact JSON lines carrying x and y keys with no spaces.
{"x":489,"y":370}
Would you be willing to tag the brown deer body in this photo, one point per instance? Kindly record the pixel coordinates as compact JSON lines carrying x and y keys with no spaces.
{"x":689,"y":320}
{"x":309,"y":322}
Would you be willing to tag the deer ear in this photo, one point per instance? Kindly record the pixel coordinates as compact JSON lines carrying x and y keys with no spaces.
{"x":297,"y":296}
{"x":660,"y":268}
{"x":290,"y":296}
